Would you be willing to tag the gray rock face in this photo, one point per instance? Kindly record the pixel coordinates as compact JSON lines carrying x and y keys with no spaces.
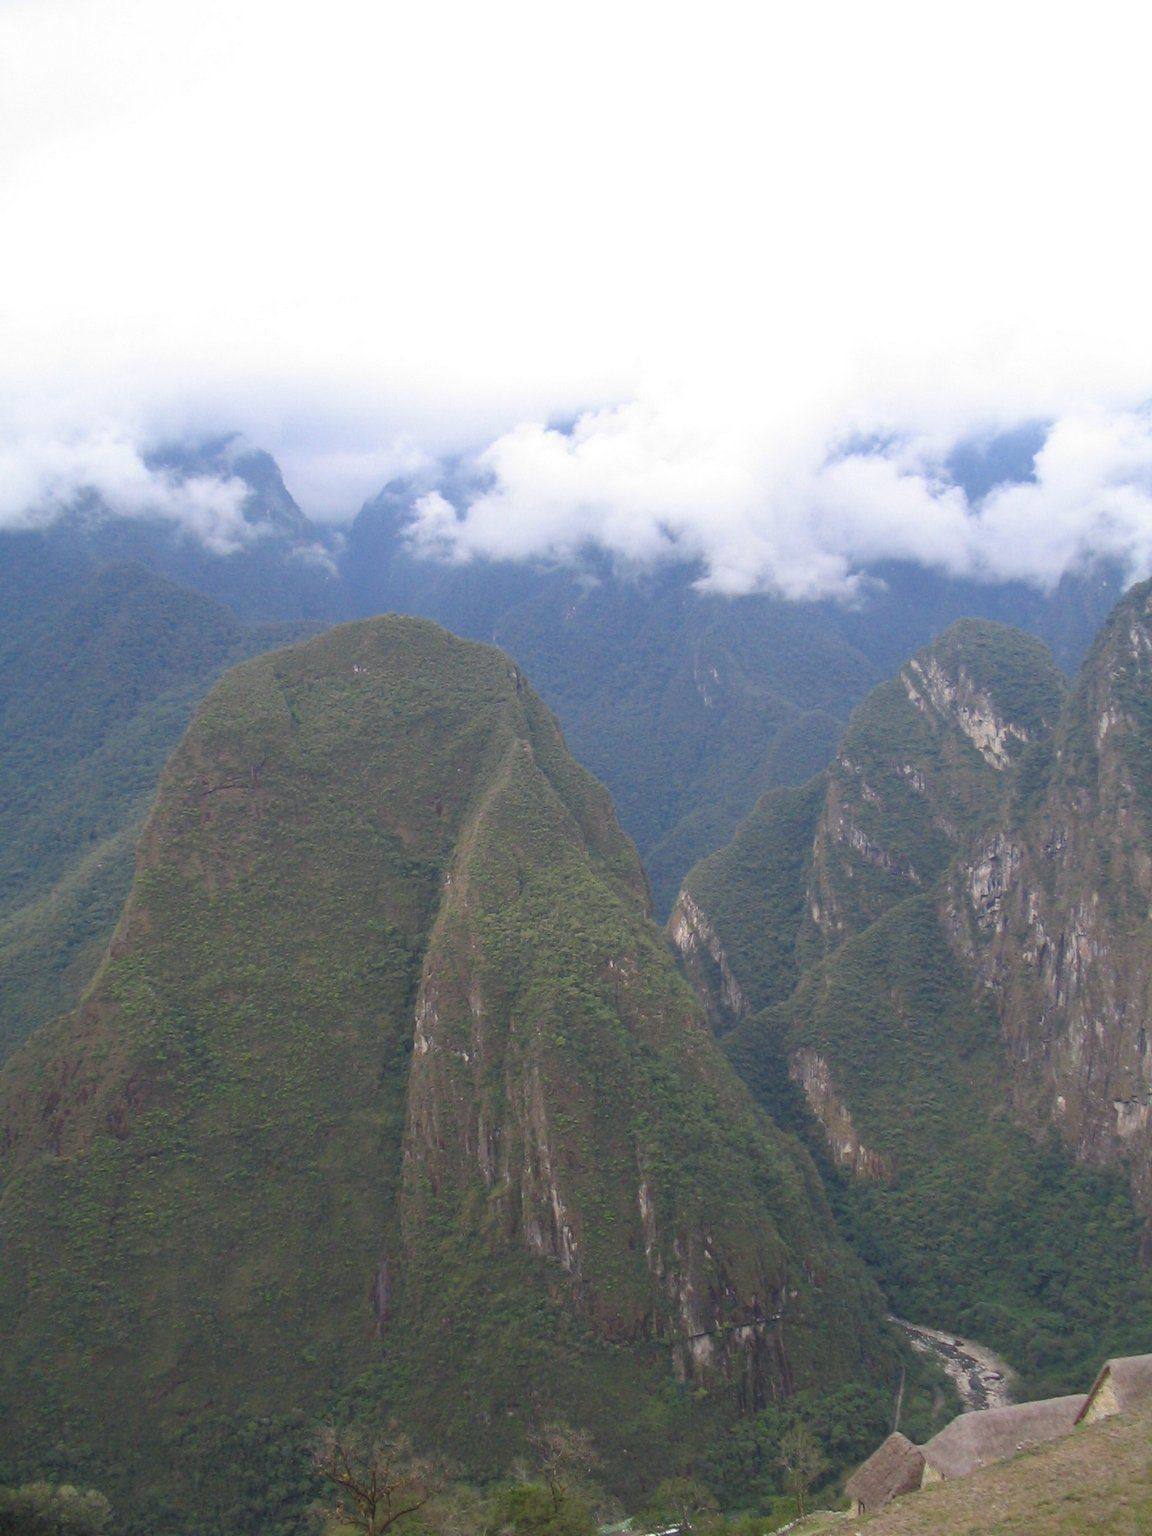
{"x":1052,"y":907}
{"x":694,"y":935}
{"x":924,"y":762}
{"x":810,"y":1070}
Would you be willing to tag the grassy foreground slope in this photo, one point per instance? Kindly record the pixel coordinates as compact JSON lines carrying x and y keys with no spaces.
{"x":1097,"y":1481}
{"x":389,"y":1095}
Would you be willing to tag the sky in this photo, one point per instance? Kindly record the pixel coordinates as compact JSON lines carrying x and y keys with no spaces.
{"x":768,"y":265}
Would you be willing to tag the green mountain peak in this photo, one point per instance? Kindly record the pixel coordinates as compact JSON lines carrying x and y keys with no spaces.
{"x":389,"y":1088}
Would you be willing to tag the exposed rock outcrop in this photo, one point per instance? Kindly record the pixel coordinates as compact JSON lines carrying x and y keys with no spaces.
{"x":813,"y":1074}
{"x":1053,"y":905}
{"x":693,"y":934}
{"x":923,"y":763}
{"x":958,"y":700}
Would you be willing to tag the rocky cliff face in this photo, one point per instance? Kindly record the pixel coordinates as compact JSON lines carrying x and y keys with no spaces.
{"x":1052,"y":909}
{"x":974,"y":773}
{"x":387,"y":1069}
{"x":922,"y":761}
{"x":811,"y":1071}
{"x":549,"y":1038}
{"x":706,"y":959}
{"x":943,"y":948}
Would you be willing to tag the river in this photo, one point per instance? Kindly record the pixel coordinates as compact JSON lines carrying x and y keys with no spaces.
{"x":980,"y":1377}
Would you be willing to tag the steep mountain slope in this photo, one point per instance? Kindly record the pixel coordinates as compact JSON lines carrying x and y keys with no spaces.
{"x":921,"y":764}
{"x":388,"y":1087}
{"x":1054,"y":908}
{"x":99,"y":672}
{"x":823,"y":940}
{"x":687,"y":706}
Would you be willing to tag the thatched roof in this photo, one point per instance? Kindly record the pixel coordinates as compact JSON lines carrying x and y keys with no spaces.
{"x":1130,"y":1378}
{"x":976,"y":1439}
{"x":893,"y":1469}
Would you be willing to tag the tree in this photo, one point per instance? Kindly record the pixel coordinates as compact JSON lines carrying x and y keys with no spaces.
{"x":679,"y":1500}
{"x":802,"y":1459}
{"x":47,"y":1509}
{"x":567,"y":1457}
{"x":377,"y":1481}
{"x":560,"y":1504}
{"x":533,"y":1509}
{"x":461,"y":1510}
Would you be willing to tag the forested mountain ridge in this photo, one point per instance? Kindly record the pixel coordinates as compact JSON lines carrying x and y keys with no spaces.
{"x":99,"y":672}
{"x":187,"y":1107}
{"x":827,"y":941}
{"x":282,"y":565}
{"x":388,"y":1078}
{"x":921,"y":763}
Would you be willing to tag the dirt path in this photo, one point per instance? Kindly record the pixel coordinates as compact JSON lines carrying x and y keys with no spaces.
{"x":982,"y":1380}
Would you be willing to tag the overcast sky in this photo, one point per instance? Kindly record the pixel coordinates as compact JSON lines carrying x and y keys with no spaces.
{"x":728,"y":238}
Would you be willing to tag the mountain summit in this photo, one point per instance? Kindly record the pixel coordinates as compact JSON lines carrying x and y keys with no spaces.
{"x":388,"y":1078}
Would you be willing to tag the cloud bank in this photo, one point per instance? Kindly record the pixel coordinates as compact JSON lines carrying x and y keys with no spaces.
{"x":803,"y":506}
{"x":804,"y":517}
{"x":44,"y":477}
{"x":732,"y":248}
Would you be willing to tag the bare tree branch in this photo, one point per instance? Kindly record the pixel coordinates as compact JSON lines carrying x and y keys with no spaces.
{"x":378,"y":1481}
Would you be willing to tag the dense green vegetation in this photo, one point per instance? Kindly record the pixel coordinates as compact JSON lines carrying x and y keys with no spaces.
{"x":234,"y":1190}
{"x":909,"y":782}
{"x":979,"y":1228}
{"x":97,"y":681}
{"x":233,"y":1203}
{"x":974,"y":1224}
{"x":904,"y":788}
{"x":1013,"y":669}
{"x":44,"y":1509}
{"x":232,"y":1197}
{"x":687,"y":705}
{"x":754,"y":890}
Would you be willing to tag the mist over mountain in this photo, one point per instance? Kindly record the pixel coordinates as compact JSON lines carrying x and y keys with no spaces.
{"x":687,"y":703}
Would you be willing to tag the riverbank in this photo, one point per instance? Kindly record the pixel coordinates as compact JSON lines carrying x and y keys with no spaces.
{"x":981,"y":1378}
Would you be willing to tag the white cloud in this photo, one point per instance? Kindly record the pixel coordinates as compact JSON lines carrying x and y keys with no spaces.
{"x":799,"y":516}
{"x":42,"y":477}
{"x":1091,"y":497}
{"x":367,"y":235}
